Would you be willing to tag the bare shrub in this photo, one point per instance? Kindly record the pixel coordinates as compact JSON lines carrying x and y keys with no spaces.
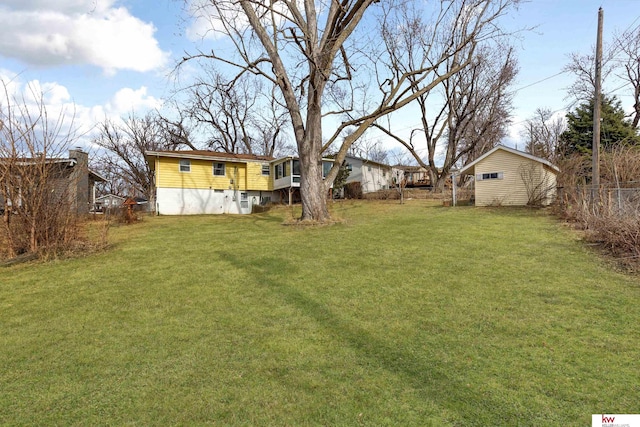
{"x":610,"y":216}
{"x":538,"y":184}
{"x":37,"y":185}
{"x":382,"y":195}
{"x":353,"y":190}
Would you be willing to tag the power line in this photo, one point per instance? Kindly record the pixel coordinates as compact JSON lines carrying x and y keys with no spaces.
{"x":539,"y":81}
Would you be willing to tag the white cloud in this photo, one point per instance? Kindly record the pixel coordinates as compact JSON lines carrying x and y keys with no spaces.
{"x":208,"y":22}
{"x":78,"y":32}
{"x":60,"y":107}
{"x":128,"y":100}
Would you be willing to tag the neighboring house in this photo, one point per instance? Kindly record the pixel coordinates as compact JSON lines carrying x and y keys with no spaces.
{"x":506,"y":176}
{"x":207,"y":182}
{"x":70,"y":177}
{"x":411,"y":176}
{"x":372,"y":176}
{"x":108,"y":201}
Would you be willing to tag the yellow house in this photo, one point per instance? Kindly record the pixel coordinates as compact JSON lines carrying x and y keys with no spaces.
{"x":207,"y":182}
{"x":506,"y":176}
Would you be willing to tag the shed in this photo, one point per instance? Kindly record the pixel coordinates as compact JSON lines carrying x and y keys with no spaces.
{"x":506,"y":176}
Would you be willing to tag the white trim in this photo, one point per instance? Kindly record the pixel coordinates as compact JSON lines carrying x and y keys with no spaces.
{"x":214,"y":157}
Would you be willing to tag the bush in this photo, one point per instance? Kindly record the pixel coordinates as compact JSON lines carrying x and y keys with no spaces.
{"x":383,"y":195}
{"x":610,"y":216}
{"x":353,"y":190}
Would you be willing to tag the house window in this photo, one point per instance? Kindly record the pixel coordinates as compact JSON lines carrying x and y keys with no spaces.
{"x":368,"y":168}
{"x":266,"y":170}
{"x":349,"y":167}
{"x":489,"y":175}
{"x":244,"y":200}
{"x":218,"y":169}
{"x":278,"y":171}
{"x":326,"y":167}
{"x":384,"y":174}
{"x":185,"y":165}
{"x":296,"y":167}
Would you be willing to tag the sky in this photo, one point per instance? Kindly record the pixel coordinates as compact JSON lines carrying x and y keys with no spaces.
{"x":109,"y":58}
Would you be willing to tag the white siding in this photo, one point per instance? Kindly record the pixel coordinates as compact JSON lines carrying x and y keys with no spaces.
{"x":371,"y":176}
{"x":190,"y":201}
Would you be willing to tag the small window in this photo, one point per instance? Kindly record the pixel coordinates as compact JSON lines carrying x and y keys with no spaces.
{"x":218,"y":169}
{"x":349,"y":167}
{"x":488,"y":176}
{"x":266,"y":170}
{"x":384,"y":174}
{"x":368,"y":168}
{"x":244,"y":200}
{"x":185,"y":165}
{"x":218,"y":191}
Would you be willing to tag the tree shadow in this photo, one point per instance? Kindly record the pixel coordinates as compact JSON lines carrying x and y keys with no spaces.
{"x":431,"y":380}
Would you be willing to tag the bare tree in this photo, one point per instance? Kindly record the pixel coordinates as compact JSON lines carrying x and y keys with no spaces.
{"x":542,"y":134}
{"x":582,"y":66}
{"x":308,"y":50}
{"x":370,"y":149}
{"x":36,"y":184}
{"x":236,"y":116}
{"x":469,"y":113}
{"x":628,"y":48}
{"x":125,"y":144}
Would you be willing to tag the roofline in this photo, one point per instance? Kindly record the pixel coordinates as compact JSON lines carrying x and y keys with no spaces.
{"x":111,"y":195}
{"x":187,"y":155}
{"x":512,"y":151}
{"x":367,"y":161}
{"x":279,"y":159}
{"x":96,"y":174}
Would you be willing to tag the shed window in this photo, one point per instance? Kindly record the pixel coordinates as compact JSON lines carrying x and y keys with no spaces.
{"x":185,"y":165}
{"x":218,"y":169}
{"x":489,"y":175}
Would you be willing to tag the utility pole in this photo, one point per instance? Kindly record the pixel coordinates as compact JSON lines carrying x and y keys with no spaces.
{"x":597,"y":106}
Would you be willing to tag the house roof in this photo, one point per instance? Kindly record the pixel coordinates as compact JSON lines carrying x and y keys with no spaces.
{"x":409,"y":168}
{"x":97,"y":177}
{"x":367,"y":161}
{"x":207,"y":155}
{"x":70,"y":163}
{"x":113,"y":196}
{"x":470,"y":166}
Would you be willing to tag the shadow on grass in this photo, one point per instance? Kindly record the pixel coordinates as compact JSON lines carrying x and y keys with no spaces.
{"x":433,"y":382}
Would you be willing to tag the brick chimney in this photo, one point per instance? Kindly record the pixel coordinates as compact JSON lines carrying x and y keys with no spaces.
{"x":80,"y":180}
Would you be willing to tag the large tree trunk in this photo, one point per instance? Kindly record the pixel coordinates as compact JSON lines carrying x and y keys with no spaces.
{"x":312,"y":189}
{"x":312,"y":185}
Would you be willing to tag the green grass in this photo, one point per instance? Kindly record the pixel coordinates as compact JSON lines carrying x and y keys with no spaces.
{"x":399,"y":315}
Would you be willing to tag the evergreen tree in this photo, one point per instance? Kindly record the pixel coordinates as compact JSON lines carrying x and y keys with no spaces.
{"x":614,"y":128}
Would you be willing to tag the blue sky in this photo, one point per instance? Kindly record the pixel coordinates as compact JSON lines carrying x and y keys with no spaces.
{"x":111,"y":57}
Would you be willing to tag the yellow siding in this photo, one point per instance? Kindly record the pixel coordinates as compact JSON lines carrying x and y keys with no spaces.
{"x":510,"y":190}
{"x":201,"y":176}
{"x":255,"y":179}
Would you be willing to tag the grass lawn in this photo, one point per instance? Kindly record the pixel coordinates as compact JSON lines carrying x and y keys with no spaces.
{"x":408,"y":314}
